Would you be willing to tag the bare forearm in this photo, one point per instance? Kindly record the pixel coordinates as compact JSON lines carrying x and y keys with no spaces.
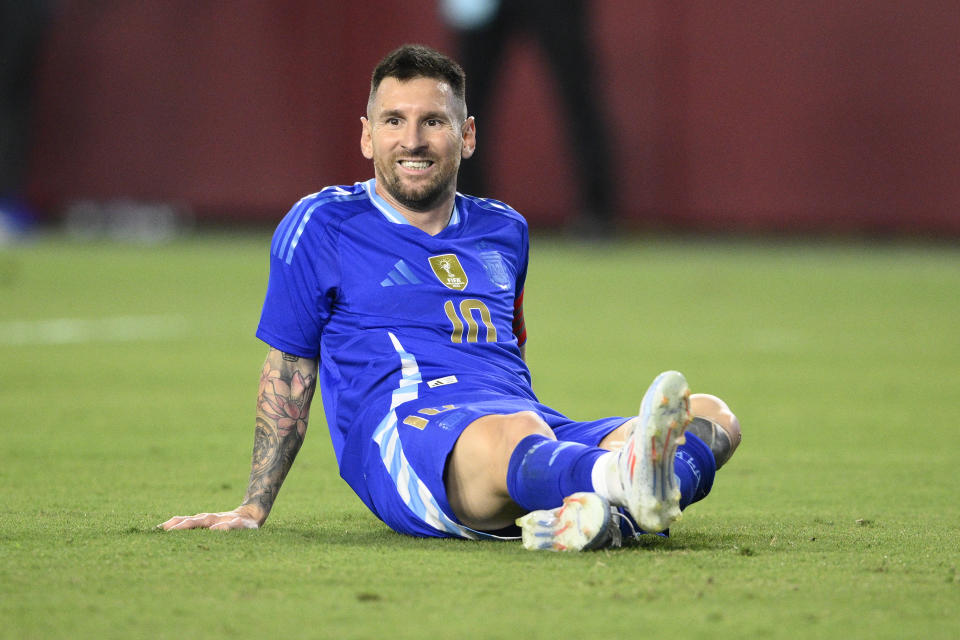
{"x":287,"y":384}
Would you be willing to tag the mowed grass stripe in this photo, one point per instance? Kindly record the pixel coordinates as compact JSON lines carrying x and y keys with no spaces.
{"x":57,"y":331}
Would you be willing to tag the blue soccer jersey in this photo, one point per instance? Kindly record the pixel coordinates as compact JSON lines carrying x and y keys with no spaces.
{"x":392,"y":311}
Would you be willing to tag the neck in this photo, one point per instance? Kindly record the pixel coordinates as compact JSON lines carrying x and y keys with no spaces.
{"x":432,"y":220}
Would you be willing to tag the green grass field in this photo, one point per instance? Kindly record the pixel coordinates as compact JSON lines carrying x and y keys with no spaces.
{"x":127,"y":392}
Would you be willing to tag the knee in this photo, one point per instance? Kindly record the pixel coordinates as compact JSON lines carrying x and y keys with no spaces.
{"x":476,"y":472}
{"x":491,"y":439}
{"x":515,"y":427}
{"x":713,"y":408}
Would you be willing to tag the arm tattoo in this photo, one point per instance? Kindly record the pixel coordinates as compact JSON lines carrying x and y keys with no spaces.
{"x":287,"y":384}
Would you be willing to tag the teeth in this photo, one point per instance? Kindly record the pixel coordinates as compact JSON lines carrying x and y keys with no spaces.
{"x":415,"y":164}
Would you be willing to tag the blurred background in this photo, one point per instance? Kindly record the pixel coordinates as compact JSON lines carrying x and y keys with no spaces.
{"x":820,"y":117}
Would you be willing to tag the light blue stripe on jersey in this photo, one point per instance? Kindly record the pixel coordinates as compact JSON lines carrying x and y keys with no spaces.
{"x":287,"y":225}
{"x":388,"y":212}
{"x":296,"y":238}
{"x":414,"y":493}
{"x":409,"y":376}
{"x":293,"y":226}
{"x":454,"y":215}
{"x":392,"y":214}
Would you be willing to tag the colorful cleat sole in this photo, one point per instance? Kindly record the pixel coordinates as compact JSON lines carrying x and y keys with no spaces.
{"x":646,"y":460}
{"x":582,"y":523}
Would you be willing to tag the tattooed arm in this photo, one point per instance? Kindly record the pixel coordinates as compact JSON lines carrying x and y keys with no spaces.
{"x":287,"y":384}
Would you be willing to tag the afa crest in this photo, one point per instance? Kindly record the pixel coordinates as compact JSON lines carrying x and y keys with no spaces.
{"x":448,"y":270}
{"x":496,"y":271}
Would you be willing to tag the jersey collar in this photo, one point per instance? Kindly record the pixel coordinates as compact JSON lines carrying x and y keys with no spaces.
{"x":394,"y":216}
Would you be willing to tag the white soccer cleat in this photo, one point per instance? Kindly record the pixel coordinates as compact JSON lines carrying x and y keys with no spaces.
{"x":584,"y":522}
{"x":646,"y":460}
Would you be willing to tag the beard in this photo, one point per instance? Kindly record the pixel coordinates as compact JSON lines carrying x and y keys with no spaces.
{"x":424,"y":195}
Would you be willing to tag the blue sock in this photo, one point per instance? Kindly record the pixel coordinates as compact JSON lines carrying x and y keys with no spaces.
{"x":695,"y":467}
{"x":542,"y":472}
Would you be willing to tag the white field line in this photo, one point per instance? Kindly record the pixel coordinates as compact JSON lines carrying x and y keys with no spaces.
{"x":84,"y":330}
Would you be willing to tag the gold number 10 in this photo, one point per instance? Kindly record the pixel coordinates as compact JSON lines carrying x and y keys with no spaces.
{"x":467,"y":307}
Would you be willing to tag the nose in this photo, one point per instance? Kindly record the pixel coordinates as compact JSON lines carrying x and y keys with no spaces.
{"x":412,"y":139}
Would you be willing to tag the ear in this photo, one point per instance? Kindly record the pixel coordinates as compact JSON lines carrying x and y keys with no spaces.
{"x":469,"y":134}
{"x":366,"y":139}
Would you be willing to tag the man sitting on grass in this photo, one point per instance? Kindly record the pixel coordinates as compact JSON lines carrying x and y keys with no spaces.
{"x":406,"y":299}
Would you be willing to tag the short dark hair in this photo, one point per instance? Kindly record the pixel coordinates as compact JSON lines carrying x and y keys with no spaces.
{"x":418,"y":61}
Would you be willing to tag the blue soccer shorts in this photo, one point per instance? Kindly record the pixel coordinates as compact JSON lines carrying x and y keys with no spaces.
{"x":406,"y":454}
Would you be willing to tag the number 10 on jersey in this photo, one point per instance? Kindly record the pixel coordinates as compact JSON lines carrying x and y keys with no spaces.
{"x":470,"y":311}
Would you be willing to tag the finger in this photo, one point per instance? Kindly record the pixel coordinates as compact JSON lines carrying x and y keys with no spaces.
{"x":172,"y":522}
{"x":237,"y":522}
{"x":190,"y":522}
{"x":186,"y":523}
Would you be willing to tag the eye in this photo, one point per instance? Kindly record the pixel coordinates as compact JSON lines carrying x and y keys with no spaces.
{"x":392,"y":122}
{"x":433,"y":122}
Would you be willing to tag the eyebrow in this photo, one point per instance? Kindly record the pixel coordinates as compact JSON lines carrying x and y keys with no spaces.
{"x":429,"y":115}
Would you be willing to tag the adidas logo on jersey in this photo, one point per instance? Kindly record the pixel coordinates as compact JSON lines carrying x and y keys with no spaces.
{"x":400,"y":275}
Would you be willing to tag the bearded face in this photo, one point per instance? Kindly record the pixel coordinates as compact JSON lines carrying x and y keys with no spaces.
{"x":416,"y":136}
{"x":419,"y":178}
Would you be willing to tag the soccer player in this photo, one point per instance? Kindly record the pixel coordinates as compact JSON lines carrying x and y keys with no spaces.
{"x":404,"y":299}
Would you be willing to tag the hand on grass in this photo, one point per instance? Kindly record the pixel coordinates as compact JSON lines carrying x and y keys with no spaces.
{"x":239,"y":518}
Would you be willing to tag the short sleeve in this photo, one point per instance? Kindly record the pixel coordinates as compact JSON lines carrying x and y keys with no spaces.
{"x":304,"y":279}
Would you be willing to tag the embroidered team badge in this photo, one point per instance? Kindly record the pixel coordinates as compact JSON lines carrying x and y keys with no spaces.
{"x":449,"y":272}
{"x":496,"y":271}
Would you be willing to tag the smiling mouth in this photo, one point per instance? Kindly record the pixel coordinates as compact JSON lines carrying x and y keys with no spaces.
{"x":416,"y":165}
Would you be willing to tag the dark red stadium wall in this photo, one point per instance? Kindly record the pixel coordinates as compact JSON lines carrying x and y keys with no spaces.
{"x":811,"y":115}
{"x":234,"y":108}
{"x":801,"y":116}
